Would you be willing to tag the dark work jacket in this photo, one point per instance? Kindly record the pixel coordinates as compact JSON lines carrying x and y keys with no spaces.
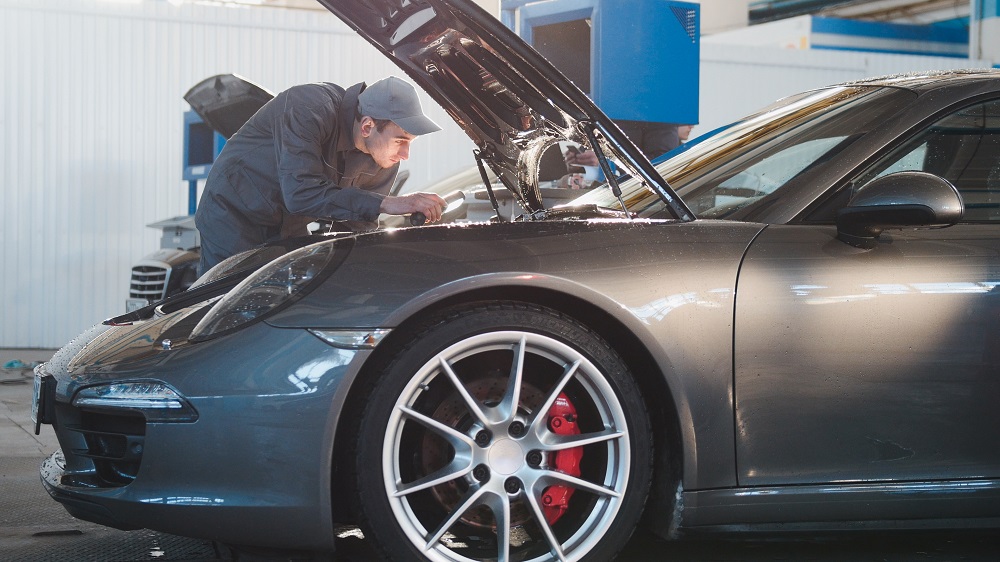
{"x":293,"y":162}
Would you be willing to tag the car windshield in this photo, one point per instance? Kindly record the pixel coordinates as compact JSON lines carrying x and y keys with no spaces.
{"x":739,"y":164}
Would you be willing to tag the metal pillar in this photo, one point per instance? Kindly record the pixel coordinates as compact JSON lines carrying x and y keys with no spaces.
{"x":984,"y":30}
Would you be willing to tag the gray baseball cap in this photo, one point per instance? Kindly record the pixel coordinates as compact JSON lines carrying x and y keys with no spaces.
{"x":395,"y":99}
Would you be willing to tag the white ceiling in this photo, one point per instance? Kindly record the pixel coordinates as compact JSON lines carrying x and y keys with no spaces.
{"x":900,"y":11}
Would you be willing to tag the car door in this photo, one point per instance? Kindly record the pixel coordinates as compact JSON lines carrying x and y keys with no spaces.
{"x":856,"y":365}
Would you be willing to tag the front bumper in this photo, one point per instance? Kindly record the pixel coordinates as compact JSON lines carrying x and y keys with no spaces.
{"x":254,"y":469}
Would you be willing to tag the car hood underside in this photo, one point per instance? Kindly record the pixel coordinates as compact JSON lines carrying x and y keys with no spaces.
{"x":510,"y":100}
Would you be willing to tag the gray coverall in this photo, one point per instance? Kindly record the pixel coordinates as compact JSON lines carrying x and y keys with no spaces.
{"x":293,"y":162}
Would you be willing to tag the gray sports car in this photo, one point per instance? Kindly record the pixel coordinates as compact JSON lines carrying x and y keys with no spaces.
{"x":801,"y":333}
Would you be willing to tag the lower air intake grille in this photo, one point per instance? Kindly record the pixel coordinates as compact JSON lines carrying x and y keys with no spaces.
{"x":115,"y":445}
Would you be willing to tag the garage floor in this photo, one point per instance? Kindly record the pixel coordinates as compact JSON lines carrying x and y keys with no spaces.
{"x":35,"y":528}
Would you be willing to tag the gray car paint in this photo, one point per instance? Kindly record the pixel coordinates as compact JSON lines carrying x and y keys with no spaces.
{"x":914,"y":399}
{"x":673,"y":294}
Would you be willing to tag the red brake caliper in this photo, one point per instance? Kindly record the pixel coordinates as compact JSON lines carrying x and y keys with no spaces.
{"x":562,"y":421}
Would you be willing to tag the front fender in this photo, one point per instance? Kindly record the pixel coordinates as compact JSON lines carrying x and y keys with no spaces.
{"x":670,"y":285}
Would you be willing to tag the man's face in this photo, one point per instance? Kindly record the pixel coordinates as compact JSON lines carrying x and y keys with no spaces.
{"x":388,"y":146}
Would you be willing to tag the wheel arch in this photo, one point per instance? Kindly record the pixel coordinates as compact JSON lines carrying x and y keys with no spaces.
{"x":660,"y":403}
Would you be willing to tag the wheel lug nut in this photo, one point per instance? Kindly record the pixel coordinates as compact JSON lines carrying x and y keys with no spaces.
{"x":516,"y":429}
{"x":512,"y":485}
{"x":481,"y":473}
{"x":534,"y":458}
{"x":483,"y":438}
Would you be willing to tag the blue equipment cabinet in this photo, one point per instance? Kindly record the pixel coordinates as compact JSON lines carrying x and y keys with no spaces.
{"x":202,"y":146}
{"x":637,"y":59}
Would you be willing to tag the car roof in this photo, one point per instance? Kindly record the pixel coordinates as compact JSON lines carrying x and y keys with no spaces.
{"x":930,"y":79}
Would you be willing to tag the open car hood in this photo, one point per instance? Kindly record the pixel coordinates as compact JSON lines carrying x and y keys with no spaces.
{"x":226,"y":101}
{"x":510,"y":100}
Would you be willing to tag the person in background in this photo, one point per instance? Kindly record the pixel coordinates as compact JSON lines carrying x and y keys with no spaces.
{"x":315,"y":151}
{"x":684,"y":132}
{"x":653,"y":139}
{"x":582,"y":169}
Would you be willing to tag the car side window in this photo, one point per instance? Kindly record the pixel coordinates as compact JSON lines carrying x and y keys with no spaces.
{"x":963,"y":148}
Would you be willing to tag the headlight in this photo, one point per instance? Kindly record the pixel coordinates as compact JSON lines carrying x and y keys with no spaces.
{"x":249,"y":259}
{"x":226,"y":266}
{"x":271,"y":287}
{"x":157,"y":401}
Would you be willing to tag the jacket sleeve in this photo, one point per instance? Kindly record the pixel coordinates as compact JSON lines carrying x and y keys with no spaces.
{"x":305,"y":125}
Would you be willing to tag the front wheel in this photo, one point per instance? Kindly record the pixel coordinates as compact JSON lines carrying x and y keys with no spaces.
{"x":503,"y":433}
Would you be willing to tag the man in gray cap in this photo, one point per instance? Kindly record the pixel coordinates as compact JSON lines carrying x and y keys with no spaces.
{"x":315,"y":151}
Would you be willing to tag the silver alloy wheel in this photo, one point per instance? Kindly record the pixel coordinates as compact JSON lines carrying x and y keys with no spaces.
{"x":495,"y":474}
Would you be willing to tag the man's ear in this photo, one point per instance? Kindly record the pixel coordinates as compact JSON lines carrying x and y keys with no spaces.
{"x":367,"y":125}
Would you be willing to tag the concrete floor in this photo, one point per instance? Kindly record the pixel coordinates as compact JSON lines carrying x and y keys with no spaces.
{"x":35,"y":528}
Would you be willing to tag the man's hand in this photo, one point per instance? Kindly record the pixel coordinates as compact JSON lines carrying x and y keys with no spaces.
{"x":430,"y":204}
{"x":584,"y":158}
{"x":572,"y":181}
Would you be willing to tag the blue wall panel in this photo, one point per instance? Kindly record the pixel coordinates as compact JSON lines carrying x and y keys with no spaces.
{"x":643,"y":54}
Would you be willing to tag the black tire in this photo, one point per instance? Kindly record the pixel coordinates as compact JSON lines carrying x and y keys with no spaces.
{"x":435,"y":475}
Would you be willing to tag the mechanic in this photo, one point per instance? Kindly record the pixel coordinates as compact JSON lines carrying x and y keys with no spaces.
{"x":314,"y":151}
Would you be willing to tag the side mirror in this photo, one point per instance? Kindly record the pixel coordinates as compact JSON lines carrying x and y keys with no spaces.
{"x":899,"y":200}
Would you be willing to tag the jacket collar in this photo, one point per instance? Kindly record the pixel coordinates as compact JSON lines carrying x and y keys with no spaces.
{"x":348,"y":108}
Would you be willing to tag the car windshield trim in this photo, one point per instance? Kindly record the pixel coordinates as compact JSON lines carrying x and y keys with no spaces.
{"x":796,"y":134}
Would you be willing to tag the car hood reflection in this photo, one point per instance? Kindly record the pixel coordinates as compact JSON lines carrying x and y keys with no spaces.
{"x":307,"y":378}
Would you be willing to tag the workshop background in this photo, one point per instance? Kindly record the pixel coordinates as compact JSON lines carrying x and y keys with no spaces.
{"x":91,"y":112}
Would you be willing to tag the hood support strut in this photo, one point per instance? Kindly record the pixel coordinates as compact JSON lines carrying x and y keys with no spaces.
{"x":677,"y":206}
{"x":486,"y":180}
{"x":602,"y":159}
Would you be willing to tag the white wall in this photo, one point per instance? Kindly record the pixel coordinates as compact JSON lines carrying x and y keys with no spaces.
{"x":91,"y":115}
{"x":788,"y":33}
{"x":91,"y":129}
{"x":737,"y":80}
{"x":723,"y":15}
{"x":989,"y":39}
